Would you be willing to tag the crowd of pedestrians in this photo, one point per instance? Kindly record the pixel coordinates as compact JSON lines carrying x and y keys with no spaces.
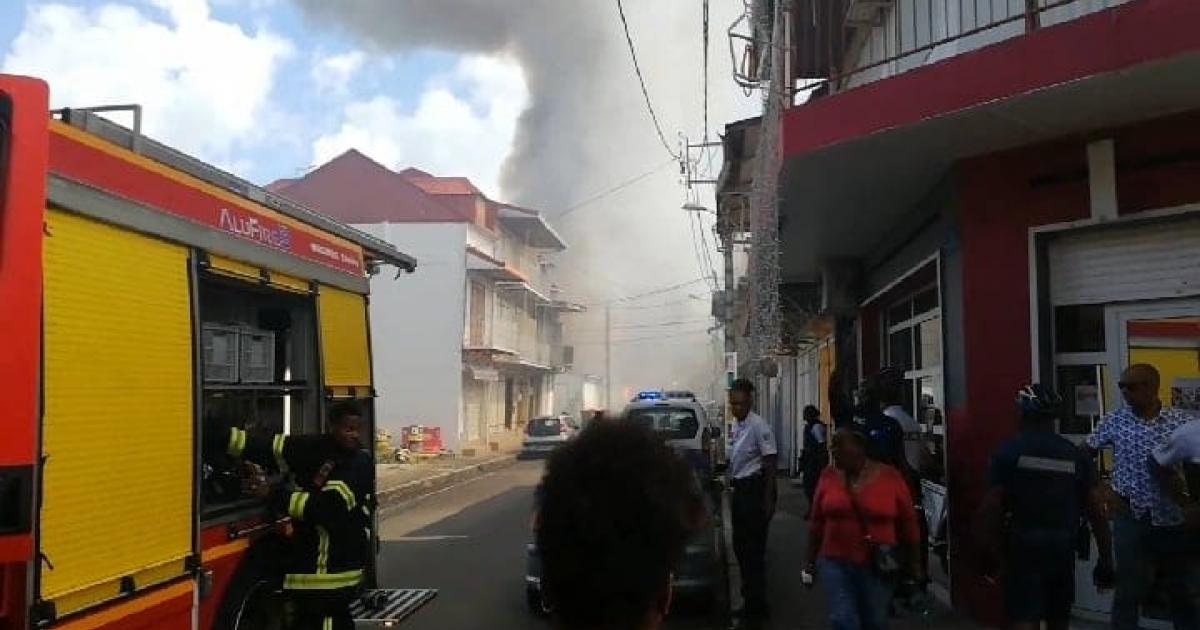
{"x":1048,"y":501}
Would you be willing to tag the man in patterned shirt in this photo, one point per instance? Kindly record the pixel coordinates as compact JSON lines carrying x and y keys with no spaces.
{"x":1148,"y":528}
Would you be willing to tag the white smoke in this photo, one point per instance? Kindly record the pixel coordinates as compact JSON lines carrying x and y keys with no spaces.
{"x":585,"y":130}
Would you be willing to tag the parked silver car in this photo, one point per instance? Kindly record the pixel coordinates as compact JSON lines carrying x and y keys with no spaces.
{"x":546,"y":433}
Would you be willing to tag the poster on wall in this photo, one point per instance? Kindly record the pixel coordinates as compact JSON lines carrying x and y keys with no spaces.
{"x":1185,"y":394}
{"x":1087,"y":400}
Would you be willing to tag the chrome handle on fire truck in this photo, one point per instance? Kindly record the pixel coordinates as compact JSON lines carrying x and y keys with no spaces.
{"x":235,"y":533}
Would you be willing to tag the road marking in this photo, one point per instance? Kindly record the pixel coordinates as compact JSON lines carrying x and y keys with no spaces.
{"x":427,"y":538}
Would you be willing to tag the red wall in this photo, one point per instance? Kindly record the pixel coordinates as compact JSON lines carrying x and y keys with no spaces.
{"x":1158,"y":163}
{"x":998,"y":204}
{"x":1000,"y":197}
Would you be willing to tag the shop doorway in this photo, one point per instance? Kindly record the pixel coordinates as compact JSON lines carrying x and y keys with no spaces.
{"x":1165,"y":334}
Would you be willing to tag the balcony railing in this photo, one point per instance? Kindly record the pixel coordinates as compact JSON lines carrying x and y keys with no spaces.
{"x":841,"y":44}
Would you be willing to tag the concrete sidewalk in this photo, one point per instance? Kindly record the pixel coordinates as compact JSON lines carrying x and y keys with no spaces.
{"x":794,"y":607}
{"x":399,"y":483}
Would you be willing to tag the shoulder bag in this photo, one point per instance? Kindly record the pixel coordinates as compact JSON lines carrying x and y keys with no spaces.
{"x":884,"y":559}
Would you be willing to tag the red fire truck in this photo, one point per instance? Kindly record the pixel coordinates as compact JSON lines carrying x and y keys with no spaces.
{"x":146,"y":298}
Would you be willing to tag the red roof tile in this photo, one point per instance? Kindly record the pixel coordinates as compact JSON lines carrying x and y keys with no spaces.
{"x":445,"y":185}
{"x":356,"y":189}
{"x":280,"y":184}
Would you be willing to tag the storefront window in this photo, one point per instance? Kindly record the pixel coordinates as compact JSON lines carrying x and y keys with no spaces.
{"x":914,"y":345}
{"x":1081,"y":389}
{"x":1079,"y":328}
{"x":929,"y":345}
{"x":900,"y":351}
{"x":925,"y":301}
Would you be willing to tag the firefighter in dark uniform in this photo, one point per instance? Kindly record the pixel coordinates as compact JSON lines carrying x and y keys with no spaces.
{"x":1039,"y":499}
{"x":327,"y":494}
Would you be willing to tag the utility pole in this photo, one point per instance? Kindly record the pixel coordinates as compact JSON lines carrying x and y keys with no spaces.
{"x":727,"y":312}
{"x":608,"y":384}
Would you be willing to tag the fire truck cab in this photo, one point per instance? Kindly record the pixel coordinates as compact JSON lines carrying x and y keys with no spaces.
{"x":147,"y":297}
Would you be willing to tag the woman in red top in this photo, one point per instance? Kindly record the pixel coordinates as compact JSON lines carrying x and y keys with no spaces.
{"x":838,"y":550}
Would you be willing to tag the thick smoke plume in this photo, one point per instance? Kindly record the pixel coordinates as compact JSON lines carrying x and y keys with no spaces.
{"x":586,"y":130}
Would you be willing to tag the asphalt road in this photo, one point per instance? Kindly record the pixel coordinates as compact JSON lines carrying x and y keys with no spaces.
{"x":468,"y":541}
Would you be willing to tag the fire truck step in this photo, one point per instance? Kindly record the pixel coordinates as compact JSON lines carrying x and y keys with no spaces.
{"x":390,"y":605}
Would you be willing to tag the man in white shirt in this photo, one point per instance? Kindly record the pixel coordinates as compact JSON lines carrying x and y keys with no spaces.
{"x":1182,"y":447}
{"x":891,"y":396}
{"x":752,"y":468}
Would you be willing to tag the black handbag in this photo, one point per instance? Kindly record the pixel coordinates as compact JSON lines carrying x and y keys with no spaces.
{"x":884,"y":558}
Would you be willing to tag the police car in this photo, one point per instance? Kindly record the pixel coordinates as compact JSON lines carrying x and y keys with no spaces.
{"x":684,"y":424}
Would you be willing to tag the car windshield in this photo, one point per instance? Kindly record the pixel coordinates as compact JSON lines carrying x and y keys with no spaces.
{"x":541,"y":427}
{"x":673,"y":423}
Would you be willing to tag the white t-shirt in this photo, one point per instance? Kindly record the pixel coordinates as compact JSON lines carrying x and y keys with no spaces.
{"x":912,"y":434}
{"x":752,"y":440}
{"x":1182,"y":446}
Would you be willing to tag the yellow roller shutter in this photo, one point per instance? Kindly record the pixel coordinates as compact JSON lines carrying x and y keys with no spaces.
{"x":347,"y":359}
{"x":245,"y":271}
{"x":117,"y":428}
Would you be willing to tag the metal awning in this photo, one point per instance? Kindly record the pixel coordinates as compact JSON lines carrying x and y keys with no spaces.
{"x":563,"y":306}
{"x":483,"y":264}
{"x":480,"y":373}
{"x":532,"y":227}
{"x":523,"y":285}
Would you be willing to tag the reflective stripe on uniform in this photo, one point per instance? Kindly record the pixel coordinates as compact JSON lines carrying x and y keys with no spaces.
{"x":322,"y":550}
{"x":341,"y":488}
{"x":237,"y":442}
{"x":277,"y":449}
{"x":327,"y":624}
{"x":297,"y":504}
{"x":323,"y":581}
{"x":1046,"y":464}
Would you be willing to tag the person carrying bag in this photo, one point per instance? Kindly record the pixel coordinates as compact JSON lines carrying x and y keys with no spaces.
{"x":863,"y":535}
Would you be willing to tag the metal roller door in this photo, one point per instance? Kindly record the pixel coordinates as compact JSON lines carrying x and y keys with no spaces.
{"x":117,"y":508}
{"x":344,"y":346}
{"x":1122,"y":264}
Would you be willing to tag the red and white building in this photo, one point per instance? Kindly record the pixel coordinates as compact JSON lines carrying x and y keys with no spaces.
{"x":474,"y":346}
{"x":987,"y":193}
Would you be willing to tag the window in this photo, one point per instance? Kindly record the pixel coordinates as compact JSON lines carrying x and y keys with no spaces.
{"x":1079,"y":328}
{"x":1082,"y":389}
{"x":671,"y":423}
{"x":900,"y":353}
{"x":914,"y":332}
{"x":543,"y":427}
{"x":929,"y":344}
{"x":478,"y":306}
{"x":913,"y":329}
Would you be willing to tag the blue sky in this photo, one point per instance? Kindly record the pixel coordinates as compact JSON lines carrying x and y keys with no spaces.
{"x":252,"y":86}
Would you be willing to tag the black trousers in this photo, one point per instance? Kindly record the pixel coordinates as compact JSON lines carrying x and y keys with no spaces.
{"x":750,"y":541}
{"x":310,"y":612}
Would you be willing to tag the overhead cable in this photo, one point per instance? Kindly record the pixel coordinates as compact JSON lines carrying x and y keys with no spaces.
{"x":637,"y":68}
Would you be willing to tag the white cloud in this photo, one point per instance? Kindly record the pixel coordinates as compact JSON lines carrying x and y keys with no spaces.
{"x":204,"y":84}
{"x":333,"y":73}
{"x":462,"y":125}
